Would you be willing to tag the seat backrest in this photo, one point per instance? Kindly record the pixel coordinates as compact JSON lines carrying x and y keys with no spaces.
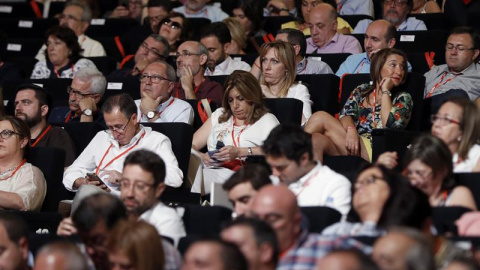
{"x":194,"y":27}
{"x":129,"y":85}
{"x":422,"y":41}
{"x":18,"y":9}
{"x":472,"y":182}
{"x":323,"y":90}
{"x":347,"y":166}
{"x":320,"y":217}
{"x":41,"y":222}
{"x":57,"y":89}
{"x":25,"y":46}
{"x":433,"y":20}
{"x":196,"y":105}
{"x":32,"y":28}
{"x":287,"y":110}
{"x":444,"y":218}
{"x":104,"y":64}
{"x":82,"y":133}
{"x":392,"y":140}
{"x":274,"y":23}
{"x":219,"y":78}
{"x":50,"y":161}
{"x":353,"y":19}
{"x":109,"y":27}
{"x":205,"y":220}
{"x":348,"y":83}
{"x":334,"y":60}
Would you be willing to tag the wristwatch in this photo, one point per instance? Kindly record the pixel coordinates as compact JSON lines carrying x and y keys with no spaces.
{"x":150,"y":115}
{"x":87,"y":112}
{"x":387,"y":93}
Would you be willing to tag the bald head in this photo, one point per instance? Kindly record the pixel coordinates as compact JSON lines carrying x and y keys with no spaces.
{"x":380,"y":34}
{"x":323,"y":24}
{"x":277,"y":205}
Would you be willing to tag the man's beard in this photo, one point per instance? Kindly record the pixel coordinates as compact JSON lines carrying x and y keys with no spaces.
{"x":31,"y":121}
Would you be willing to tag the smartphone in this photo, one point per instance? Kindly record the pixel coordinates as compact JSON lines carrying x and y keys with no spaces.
{"x":94,"y":177}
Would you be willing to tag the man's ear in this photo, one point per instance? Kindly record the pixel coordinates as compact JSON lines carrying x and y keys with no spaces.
{"x":203,"y":59}
{"x":266,"y":252}
{"x":97,"y":98}
{"x":226,"y":46}
{"x":159,"y":190}
{"x":304,"y":159}
{"x":391,"y":43}
{"x":476,"y":52}
{"x":44,"y":110}
{"x":23,"y":243}
{"x":297,"y":49}
{"x":171,"y":85}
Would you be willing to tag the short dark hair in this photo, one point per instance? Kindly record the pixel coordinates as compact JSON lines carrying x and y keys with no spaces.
{"x":97,"y":207}
{"x":296,"y":37}
{"x":256,"y":174}
{"x":253,"y":10}
{"x":14,"y":225}
{"x":148,"y":161}
{"x":123,"y":101}
{"x":43,"y":97}
{"x":409,"y":3}
{"x":363,"y":261}
{"x":289,"y":141}
{"x":219,"y":30}
{"x":66,"y":35}
{"x":262,"y":231}
{"x":231,"y":256}
{"x":165,"y":4}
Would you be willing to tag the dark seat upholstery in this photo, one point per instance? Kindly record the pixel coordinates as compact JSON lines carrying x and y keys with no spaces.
{"x":274,"y":23}
{"x":444,"y":218}
{"x":109,"y":27}
{"x":22,"y":28}
{"x":320,"y":217}
{"x":323,"y":90}
{"x":39,"y":222}
{"x":391,"y":140}
{"x":472,"y":182}
{"x":104,"y":64}
{"x":51,"y":162}
{"x":287,"y":110}
{"x":127,"y":85}
{"x":334,"y":60}
{"x":205,"y":220}
{"x":18,"y":9}
{"x":197,"y":120}
{"x":82,"y":134}
{"x":348,"y":166}
{"x":433,"y":20}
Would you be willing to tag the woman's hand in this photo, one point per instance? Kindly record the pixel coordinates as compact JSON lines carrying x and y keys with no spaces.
{"x":227,"y":153}
{"x":386,"y":84}
{"x":267,"y":92}
{"x":352,"y":142}
{"x":66,"y":227}
{"x":209,"y":161}
{"x":388,"y":159}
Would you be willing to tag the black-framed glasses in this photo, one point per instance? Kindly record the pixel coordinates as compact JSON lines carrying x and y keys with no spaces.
{"x":151,"y":50}
{"x":68,"y":17}
{"x":7,"y":133}
{"x":137,"y":185}
{"x":77,"y":93}
{"x":366,"y":182}
{"x":398,"y":3}
{"x":459,"y":48}
{"x":186,"y":54}
{"x":118,"y":129}
{"x":172,"y":24}
{"x":153,"y":78}
{"x":443,"y":120}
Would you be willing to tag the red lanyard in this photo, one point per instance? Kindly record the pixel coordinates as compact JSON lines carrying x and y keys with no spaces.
{"x":237,"y":144}
{"x":339,"y":6}
{"x":360,"y":67}
{"x":117,"y":157}
{"x":18,"y":168}
{"x":307,"y":183}
{"x":374,"y":107}
{"x":176,"y":92}
{"x":69,"y":115}
{"x":439,"y":83}
{"x":41,"y":136}
{"x":58,"y":75}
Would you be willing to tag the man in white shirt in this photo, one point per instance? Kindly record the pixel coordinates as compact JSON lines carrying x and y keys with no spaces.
{"x":200,"y":9}
{"x":157,"y":103}
{"x":288,"y":151}
{"x":142,"y":185}
{"x":105,"y":154}
{"x":77,"y":16}
{"x":217,"y":39}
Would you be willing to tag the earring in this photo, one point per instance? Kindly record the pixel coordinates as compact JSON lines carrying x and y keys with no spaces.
{"x":69,"y":53}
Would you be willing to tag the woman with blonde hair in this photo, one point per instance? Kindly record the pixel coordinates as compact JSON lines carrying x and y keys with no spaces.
{"x":239,"y":37}
{"x":135,"y":245}
{"x":277,"y":63}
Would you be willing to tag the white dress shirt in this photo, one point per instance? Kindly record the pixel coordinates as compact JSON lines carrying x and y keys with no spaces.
{"x":166,"y":220}
{"x":227,"y":67}
{"x":172,"y":110}
{"x":91,"y":48}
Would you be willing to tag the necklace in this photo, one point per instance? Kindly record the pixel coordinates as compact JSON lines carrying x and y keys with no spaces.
{"x":16,"y":169}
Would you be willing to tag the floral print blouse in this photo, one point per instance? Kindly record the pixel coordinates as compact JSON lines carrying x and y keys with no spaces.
{"x":398,"y":118}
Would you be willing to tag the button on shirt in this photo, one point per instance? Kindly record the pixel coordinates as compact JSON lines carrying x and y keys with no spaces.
{"x":323,"y":187}
{"x":469,"y":81}
{"x":177,"y":111}
{"x":313,"y":65}
{"x":356,"y":7}
{"x":410,"y":24}
{"x":227,"y":67}
{"x":358,"y":64}
{"x":213,"y":13}
{"x":338,"y":44}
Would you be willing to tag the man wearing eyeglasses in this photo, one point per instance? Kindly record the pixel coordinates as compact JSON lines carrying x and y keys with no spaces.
{"x":191,"y":58}
{"x":396,"y":12}
{"x":157,"y":103}
{"x":461,"y":75}
{"x":77,"y":16}
{"x":105,"y":154}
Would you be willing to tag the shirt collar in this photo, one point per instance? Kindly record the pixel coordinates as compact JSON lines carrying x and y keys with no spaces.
{"x":403,"y":26}
{"x":302,"y":65}
{"x":222,"y":66}
{"x":160,"y":106}
{"x":133,"y":140}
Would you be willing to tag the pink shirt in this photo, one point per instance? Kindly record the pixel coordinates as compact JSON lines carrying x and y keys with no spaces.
{"x":338,"y":44}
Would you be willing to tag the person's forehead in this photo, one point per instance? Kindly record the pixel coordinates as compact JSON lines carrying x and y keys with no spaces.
{"x":111,"y":118}
{"x":134,"y":172}
{"x":377,"y":29}
{"x":156,"y":68}
{"x":463,"y":39}
{"x":26,"y":94}
{"x":238,"y":232}
{"x":155,"y":11}
{"x":73,"y":10}
{"x":211,"y":40}
{"x":277,"y":160}
{"x":5,"y":124}
{"x":242,"y":189}
{"x":153,"y":43}
{"x":4,"y":238}
{"x":188,"y":46}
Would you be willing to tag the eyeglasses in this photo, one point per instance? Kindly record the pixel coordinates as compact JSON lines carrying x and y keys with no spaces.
{"x":186,"y":54}
{"x":153,"y":78}
{"x":118,"y":129}
{"x":68,"y":17}
{"x":77,"y":93}
{"x":172,"y":24}
{"x":443,"y":120}
{"x":397,"y":3}
{"x":421,"y":174}
{"x":137,"y":186}
{"x":459,"y":48}
{"x":7,"y":133}
{"x":366,"y":182}
{"x":151,"y":50}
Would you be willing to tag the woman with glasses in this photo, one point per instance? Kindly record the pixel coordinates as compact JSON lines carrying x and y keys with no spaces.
{"x":381,"y":198}
{"x":171,"y":28}
{"x":428,"y":166}
{"x":62,"y":55}
{"x":22,"y":185}
{"x":234,"y":131}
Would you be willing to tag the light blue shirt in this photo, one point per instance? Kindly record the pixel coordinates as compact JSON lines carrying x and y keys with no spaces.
{"x":358,"y":63}
{"x":356,"y":7}
{"x":410,"y":24}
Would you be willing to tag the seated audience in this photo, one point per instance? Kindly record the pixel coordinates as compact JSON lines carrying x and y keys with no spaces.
{"x":234,"y":131}
{"x":396,"y":12}
{"x":60,"y":255}
{"x":217,"y":39}
{"x":191,"y":59}
{"x":13,"y":242}
{"x":299,"y":249}
{"x":132,"y":11}
{"x":239,"y":38}
{"x":376,"y":105}
{"x":62,"y":56}
{"x":22,"y":185}
{"x":355,"y":7}
{"x":346,"y":259}
{"x":200,"y":9}
{"x":280,"y":8}
{"x":77,"y":16}
{"x":250,"y":15}
{"x":425,"y":6}
{"x":157,"y":103}
{"x":171,"y":28}
{"x":33,"y":104}
{"x":244,"y":184}
{"x":84,"y":95}
{"x":214,"y":254}
{"x":105,"y":154}
{"x":256,"y":239}
{"x":382,"y":198}
{"x":278,"y":75}
{"x":325,"y":39}
{"x":288,"y":151}
{"x":135,"y":245}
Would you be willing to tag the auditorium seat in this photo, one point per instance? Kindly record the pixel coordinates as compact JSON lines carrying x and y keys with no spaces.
{"x":81,"y":133}
{"x":444,"y":218}
{"x":274,"y":23}
{"x":25,"y":46}
{"x":109,"y":27}
{"x":392,"y":140}
{"x":197,"y":105}
{"x":287,"y":110}
{"x":39,"y":222}
{"x":104,"y":64}
{"x":130,"y":85}
{"x":23,"y":28}
{"x":323,"y":90}
{"x":347,"y":166}
{"x":353,"y":19}
{"x":472,"y":182}
{"x":205,"y":220}
{"x":433,"y":20}
{"x":422,"y":41}
{"x":320,"y":217}
{"x":334,"y":60}
{"x":20,"y":9}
